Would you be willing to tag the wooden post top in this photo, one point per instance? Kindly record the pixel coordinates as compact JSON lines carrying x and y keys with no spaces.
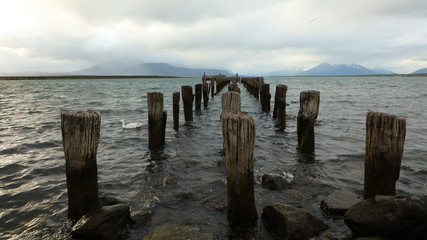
{"x":309,"y":104}
{"x":82,"y":114}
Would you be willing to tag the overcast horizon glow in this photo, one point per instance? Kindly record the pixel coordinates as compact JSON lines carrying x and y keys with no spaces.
{"x":244,"y":36}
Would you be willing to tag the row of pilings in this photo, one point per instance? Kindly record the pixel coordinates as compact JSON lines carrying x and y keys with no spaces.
{"x":385,"y":135}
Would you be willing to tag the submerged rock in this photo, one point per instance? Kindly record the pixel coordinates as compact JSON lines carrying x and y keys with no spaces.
{"x":339,"y":201}
{"x":275,"y":182}
{"x":169,"y":180}
{"x":184,"y":196}
{"x":169,"y":231}
{"x":284,"y":221}
{"x":393,"y":217}
{"x":140,"y":218}
{"x":107,"y":222}
{"x":107,"y":200}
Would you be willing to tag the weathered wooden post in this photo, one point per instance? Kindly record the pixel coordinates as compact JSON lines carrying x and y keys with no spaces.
{"x":212,"y":87}
{"x":385,"y":137}
{"x":187,"y":100}
{"x":80,"y":138}
{"x":156,"y":119}
{"x":281,"y":112}
{"x":280,"y":93}
{"x":175,"y":108}
{"x":198,"y":90}
{"x":230,"y":101}
{"x":164,"y":118}
{"x":233,"y":88}
{"x":205,"y":95}
{"x":265,"y":97}
{"x":309,"y":109}
{"x":239,"y":141}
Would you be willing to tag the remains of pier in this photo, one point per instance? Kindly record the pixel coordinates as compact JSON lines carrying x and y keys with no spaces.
{"x":239,"y":142}
{"x":156,"y":121}
{"x":253,"y":84}
{"x":187,"y":100}
{"x":175,"y":108}
{"x":265,"y":97}
{"x":198,"y":96}
{"x":309,"y":109}
{"x":280,"y":94}
{"x":385,"y":137}
{"x":80,"y":138}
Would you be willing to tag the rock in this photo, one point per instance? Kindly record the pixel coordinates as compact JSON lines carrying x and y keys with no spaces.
{"x":339,"y":201}
{"x":169,"y":231}
{"x":184,"y":196}
{"x":393,"y":217}
{"x":140,"y":218}
{"x":190,"y":164}
{"x":107,"y":201}
{"x":297,"y":194}
{"x":216,"y":205}
{"x":107,"y":222}
{"x":284,"y":221}
{"x":169,"y":180}
{"x":275,"y":182}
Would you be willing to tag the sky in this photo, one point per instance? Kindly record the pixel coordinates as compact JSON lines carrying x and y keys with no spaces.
{"x":244,"y":36}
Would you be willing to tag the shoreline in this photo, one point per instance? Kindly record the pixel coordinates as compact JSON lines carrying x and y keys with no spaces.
{"x":70,"y":77}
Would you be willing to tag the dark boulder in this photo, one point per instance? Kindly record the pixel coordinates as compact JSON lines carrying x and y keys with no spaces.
{"x":393,"y":217}
{"x":284,"y":221}
{"x":107,"y":222}
{"x":339,"y":201}
{"x":275,"y":182}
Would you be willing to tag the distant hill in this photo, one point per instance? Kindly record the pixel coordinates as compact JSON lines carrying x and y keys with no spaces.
{"x":419,"y":71}
{"x":109,"y":68}
{"x":149,"y":69}
{"x":285,"y":72}
{"x":379,"y":70}
{"x":327,"y":69}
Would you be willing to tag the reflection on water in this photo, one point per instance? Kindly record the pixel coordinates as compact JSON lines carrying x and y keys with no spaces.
{"x":186,"y":181}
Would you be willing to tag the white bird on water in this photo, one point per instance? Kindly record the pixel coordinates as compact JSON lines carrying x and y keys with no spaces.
{"x":130,"y":125}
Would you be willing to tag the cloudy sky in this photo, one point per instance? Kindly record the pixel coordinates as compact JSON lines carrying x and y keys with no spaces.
{"x":245,"y":36}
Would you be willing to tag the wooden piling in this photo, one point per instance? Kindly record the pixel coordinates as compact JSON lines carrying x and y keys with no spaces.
{"x":175,"y":108}
{"x":280,"y":93}
{"x":239,"y":141}
{"x":205,"y":95}
{"x":230,"y":101}
{"x":265,"y":97}
{"x":187,"y":101}
{"x":385,"y":137}
{"x":309,"y":109}
{"x":164,"y":118}
{"x":281,"y":112}
{"x":233,"y":88}
{"x":80,"y":138}
{"x":212,"y":86}
{"x":156,"y":120}
{"x":198,"y":90}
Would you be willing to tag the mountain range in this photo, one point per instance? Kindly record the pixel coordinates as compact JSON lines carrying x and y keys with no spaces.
{"x":132,"y":67}
{"x":420,"y":71}
{"x":327,"y":69}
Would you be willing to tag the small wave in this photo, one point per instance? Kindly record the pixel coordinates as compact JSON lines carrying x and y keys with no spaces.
{"x":24,"y":148}
{"x":11,"y":168}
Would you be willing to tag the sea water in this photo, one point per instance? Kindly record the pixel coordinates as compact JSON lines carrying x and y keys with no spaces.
{"x":33,"y":194}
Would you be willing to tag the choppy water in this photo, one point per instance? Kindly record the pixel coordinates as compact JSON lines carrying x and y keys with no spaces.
{"x":33,"y":195}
